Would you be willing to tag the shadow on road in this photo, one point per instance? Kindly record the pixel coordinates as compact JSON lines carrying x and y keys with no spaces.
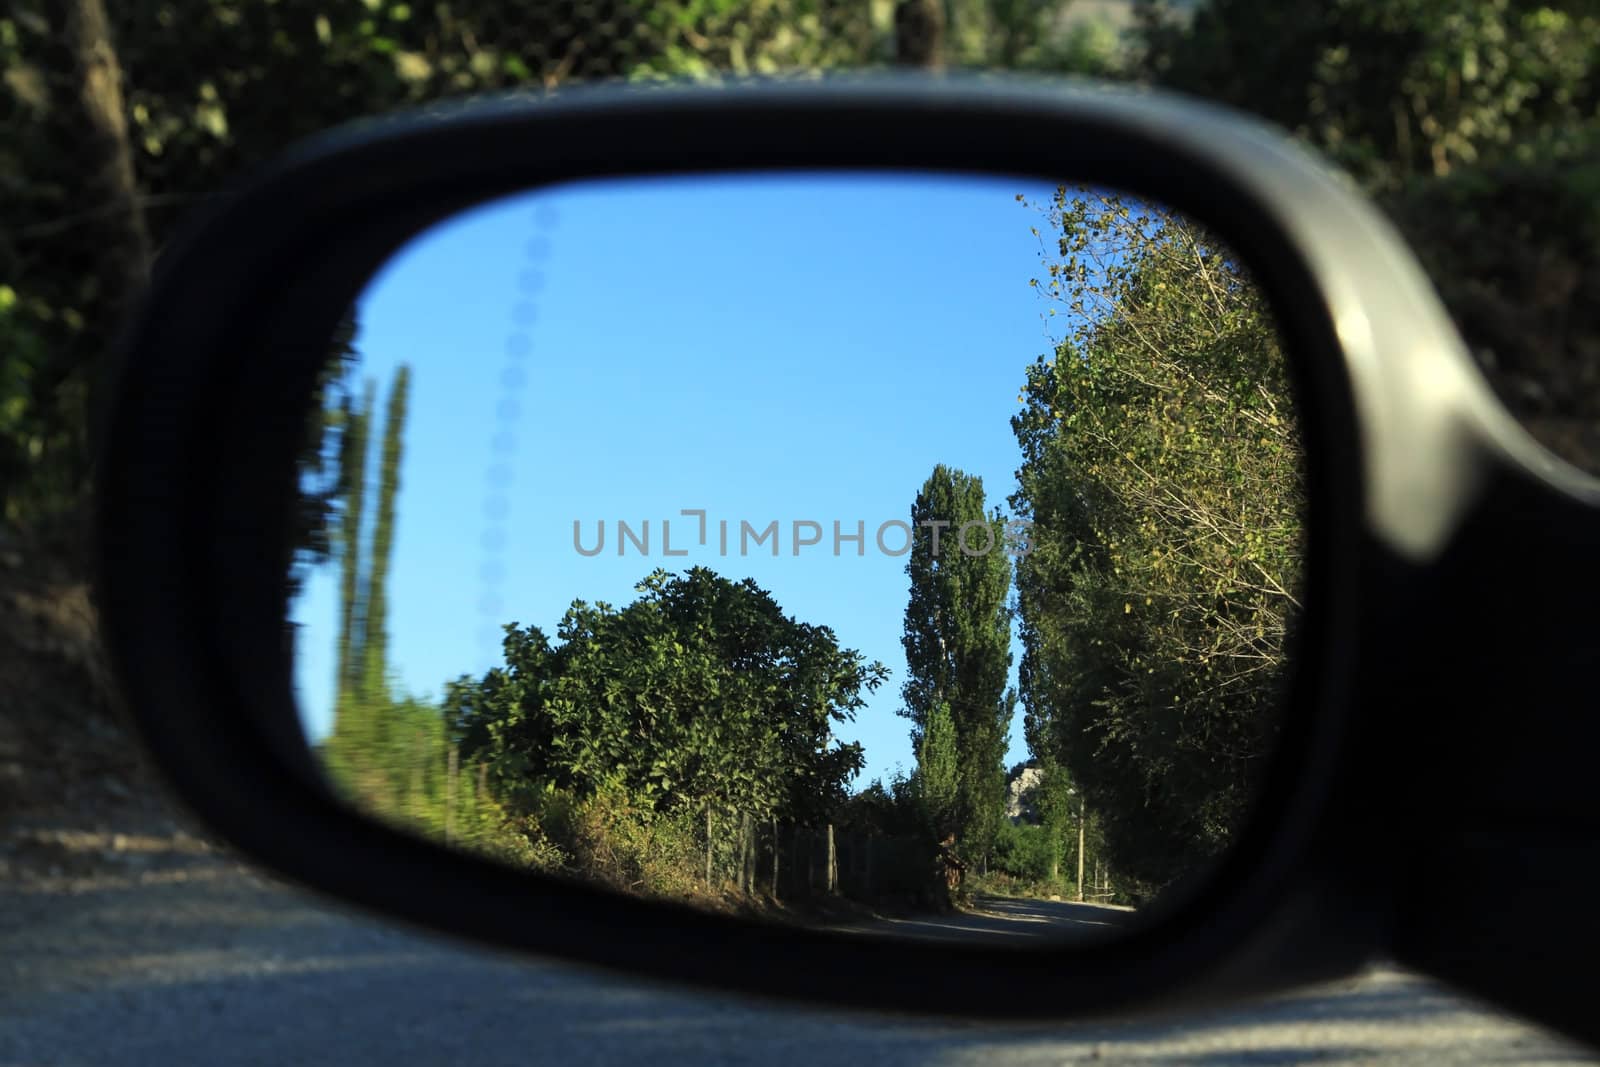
{"x":1005,"y":920}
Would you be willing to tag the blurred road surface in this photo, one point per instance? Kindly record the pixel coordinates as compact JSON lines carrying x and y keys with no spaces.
{"x":177,"y":959}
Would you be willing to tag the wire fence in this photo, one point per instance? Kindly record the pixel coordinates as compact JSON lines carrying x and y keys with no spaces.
{"x":795,"y":862}
{"x":416,"y":781}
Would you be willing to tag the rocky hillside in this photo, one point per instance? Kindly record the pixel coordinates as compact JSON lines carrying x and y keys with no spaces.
{"x":1020,"y":784}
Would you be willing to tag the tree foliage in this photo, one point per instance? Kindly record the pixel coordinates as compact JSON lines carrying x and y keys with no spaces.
{"x":1053,"y":800}
{"x":958,"y":651}
{"x":117,"y":120}
{"x":1392,"y":88}
{"x":332,"y":438}
{"x":701,"y":693}
{"x":938,"y":775}
{"x":1161,"y":469}
{"x":1477,"y":124}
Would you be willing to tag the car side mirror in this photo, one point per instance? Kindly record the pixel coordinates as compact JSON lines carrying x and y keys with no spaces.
{"x":332,"y":606}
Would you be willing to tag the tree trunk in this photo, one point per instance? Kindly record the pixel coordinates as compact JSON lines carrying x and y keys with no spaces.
{"x":91,"y":106}
{"x":794,"y":860}
{"x":919,"y":27}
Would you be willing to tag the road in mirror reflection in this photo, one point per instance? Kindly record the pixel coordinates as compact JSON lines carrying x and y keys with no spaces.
{"x":905,"y":553}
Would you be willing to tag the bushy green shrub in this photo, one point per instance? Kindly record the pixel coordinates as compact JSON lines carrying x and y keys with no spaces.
{"x":998,"y":883}
{"x":1023,"y":851}
{"x":517,"y":840}
{"x":613,"y":840}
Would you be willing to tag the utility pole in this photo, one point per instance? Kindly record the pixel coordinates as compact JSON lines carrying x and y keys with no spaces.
{"x":1083,"y":817}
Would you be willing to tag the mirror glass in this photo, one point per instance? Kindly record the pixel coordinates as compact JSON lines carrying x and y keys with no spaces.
{"x":906,"y":553}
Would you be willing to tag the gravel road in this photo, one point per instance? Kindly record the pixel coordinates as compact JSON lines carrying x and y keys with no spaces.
{"x":172,"y":953}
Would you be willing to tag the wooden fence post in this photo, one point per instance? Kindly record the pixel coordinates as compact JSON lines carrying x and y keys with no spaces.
{"x":811,"y":862}
{"x":794,"y":859}
{"x":833,"y":863}
{"x":745,"y":885}
{"x":708,"y":844}
{"x":1083,"y":815}
{"x":452,"y":778}
{"x":752,"y":833}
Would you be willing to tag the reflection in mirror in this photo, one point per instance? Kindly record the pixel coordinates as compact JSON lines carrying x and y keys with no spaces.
{"x":910,"y":554}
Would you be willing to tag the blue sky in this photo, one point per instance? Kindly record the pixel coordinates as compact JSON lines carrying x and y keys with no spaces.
{"x":792,"y":348}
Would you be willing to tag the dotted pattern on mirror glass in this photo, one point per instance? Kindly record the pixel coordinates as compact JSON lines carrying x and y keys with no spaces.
{"x":513,"y":378}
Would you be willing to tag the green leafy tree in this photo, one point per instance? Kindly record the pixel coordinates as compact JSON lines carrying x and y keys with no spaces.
{"x":1031,"y":35}
{"x":938,"y":774}
{"x":325,"y":484}
{"x":958,"y":643}
{"x":1459,"y":115}
{"x":118,"y":119}
{"x":30,"y":485}
{"x":1162,"y":471}
{"x":1392,"y":88}
{"x":701,"y":693}
{"x":1053,"y":800}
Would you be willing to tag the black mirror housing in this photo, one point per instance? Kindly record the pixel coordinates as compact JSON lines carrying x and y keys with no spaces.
{"x":1412,"y":465}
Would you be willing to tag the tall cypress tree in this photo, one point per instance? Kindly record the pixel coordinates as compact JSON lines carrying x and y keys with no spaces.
{"x":353,"y":484}
{"x":958,"y":641}
{"x":364,"y":570}
{"x":365,"y":714}
{"x":375,"y":641}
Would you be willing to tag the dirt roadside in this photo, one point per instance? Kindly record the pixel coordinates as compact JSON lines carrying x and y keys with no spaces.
{"x":76,"y":793}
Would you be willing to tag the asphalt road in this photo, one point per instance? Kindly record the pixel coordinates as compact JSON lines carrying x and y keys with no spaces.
{"x":194,"y":959}
{"x":998,"y":920}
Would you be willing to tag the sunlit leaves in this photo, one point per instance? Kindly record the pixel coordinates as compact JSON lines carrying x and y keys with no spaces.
{"x":1393,"y":88}
{"x":701,"y":692}
{"x":1162,"y":472}
{"x":957,"y":641}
